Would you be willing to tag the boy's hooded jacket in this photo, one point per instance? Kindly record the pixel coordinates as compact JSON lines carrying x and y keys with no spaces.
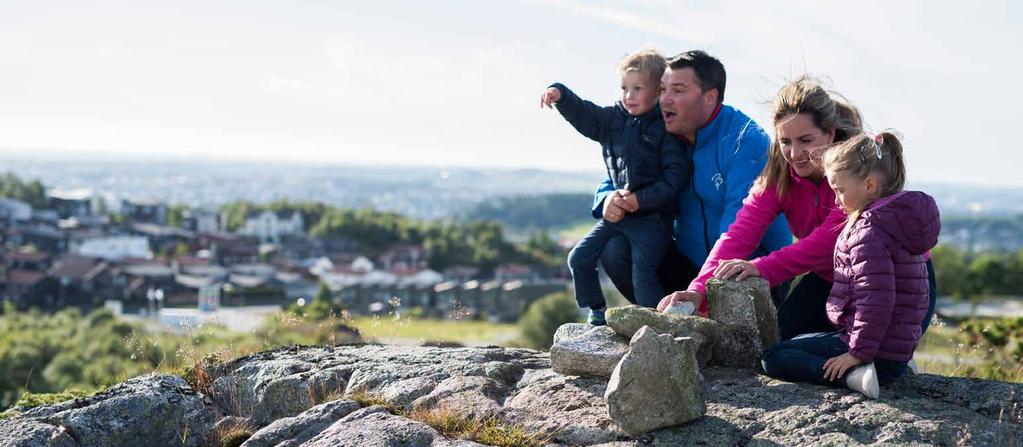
{"x":638,"y":153}
{"x":880,"y":294}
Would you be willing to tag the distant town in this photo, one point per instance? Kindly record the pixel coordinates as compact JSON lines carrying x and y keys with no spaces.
{"x":78,"y":249}
{"x":141,"y":236}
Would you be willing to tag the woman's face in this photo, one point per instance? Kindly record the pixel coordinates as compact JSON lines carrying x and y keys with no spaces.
{"x":801,"y":142}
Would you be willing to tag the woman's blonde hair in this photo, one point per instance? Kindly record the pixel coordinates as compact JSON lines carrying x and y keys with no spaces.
{"x":863,"y":155}
{"x":828,"y":110}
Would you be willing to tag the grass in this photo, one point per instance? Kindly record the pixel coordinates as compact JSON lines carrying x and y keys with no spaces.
{"x":233,"y":435}
{"x":490,"y":431}
{"x":947,"y":350}
{"x":404,"y":330}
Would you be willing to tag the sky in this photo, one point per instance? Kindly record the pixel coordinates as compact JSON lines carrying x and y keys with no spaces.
{"x":457,"y":83}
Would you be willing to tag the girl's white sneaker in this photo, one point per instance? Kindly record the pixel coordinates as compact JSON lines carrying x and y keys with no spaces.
{"x":863,"y":378}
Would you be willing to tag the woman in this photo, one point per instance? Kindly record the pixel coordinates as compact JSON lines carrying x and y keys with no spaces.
{"x":807,"y":119}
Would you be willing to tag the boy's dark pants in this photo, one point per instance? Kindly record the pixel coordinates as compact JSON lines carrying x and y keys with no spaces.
{"x":649,"y":236}
{"x":802,"y":360}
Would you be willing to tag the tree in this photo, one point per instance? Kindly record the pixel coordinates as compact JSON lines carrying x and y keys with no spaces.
{"x":545,"y":316}
{"x":950,"y":270}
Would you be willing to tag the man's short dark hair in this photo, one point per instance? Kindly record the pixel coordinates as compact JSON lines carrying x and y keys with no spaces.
{"x":709,"y":71}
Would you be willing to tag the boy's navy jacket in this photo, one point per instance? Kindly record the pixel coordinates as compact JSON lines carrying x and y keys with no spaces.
{"x":638,"y":153}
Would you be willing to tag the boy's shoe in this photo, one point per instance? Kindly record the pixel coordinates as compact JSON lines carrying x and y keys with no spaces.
{"x":596,"y":317}
{"x":912,"y":368}
{"x":863,"y":378}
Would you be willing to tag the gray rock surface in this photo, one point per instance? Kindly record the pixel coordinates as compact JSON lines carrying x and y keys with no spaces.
{"x":594,"y":352}
{"x":374,"y":426}
{"x":656,"y":384}
{"x":147,"y":410}
{"x":570,"y":330}
{"x":743,"y":408}
{"x":18,"y":432}
{"x":627,"y":320}
{"x":748,"y":316}
{"x":295,"y":430}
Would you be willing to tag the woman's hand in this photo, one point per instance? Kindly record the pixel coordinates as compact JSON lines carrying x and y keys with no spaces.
{"x":677,"y":297}
{"x":836,"y":367}
{"x":738,"y":268}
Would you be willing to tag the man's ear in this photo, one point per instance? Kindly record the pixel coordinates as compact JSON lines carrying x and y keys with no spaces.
{"x":710,"y":97}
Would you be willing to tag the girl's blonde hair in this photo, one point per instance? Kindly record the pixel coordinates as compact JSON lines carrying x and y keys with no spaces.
{"x":863,"y":155}
{"x":646,"y":61}
{"x":828,"y":110}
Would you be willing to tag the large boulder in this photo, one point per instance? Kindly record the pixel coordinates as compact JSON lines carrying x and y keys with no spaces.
{"x":627,"y":320}
{"x":749,"y":320}
{"x":656,"y":384}
{"x":153,"y":409}
{"x":594,"y":352}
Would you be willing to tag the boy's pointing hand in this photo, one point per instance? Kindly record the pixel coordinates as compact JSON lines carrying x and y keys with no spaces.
{"x":549,"y":97}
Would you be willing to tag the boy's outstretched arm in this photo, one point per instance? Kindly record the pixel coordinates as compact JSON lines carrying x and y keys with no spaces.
{"x":588,"y":118}
{"x":675,"y":172}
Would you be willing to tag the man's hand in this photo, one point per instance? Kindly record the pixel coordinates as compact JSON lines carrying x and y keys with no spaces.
{"x":738,"y":268}
{"x":549,"y":97}
{"x":836,"y":367}
{"x":677,"y":297}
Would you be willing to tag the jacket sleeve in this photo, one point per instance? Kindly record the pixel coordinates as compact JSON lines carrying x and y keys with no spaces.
{"x":748,"y":160}
{"x":674,"y":176}
{"x":742,"y":237}
{"x":605,"y":188}
{"x":815,"y":251}
{"x":873,"y":296}
{"x":588,"y":118}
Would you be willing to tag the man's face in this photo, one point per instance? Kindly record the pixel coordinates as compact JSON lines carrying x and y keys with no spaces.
{"x":684,"y":105}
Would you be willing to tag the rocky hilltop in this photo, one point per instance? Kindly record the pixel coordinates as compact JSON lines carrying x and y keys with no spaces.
{"x":378,"y":395}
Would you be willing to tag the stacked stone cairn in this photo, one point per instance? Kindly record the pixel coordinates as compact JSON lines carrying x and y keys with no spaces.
{"x":652,"y":360}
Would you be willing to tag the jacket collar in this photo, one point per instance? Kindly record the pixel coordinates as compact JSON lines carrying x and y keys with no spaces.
{"x":804,"y":182}
{"x":709,"y":128}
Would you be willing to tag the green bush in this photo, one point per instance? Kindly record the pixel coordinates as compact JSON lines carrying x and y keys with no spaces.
{"x":544,"y":317}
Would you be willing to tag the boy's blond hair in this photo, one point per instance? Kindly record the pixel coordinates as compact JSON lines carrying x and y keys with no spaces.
{"x":646,"y":61}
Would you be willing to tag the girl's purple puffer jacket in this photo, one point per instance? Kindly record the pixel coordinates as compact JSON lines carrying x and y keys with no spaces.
{"x":880,"y":294}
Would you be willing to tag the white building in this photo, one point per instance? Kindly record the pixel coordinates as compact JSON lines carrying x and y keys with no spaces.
{"x":268,"y":226}
{"x":114,"y":248}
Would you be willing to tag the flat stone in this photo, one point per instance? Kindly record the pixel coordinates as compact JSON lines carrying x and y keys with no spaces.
{"x":594,"y":352}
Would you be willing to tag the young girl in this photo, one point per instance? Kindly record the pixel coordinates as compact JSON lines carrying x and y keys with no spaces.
{"x":880,"y":292}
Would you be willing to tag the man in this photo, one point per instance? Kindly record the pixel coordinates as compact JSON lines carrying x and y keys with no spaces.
{"x":728,"y":151}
